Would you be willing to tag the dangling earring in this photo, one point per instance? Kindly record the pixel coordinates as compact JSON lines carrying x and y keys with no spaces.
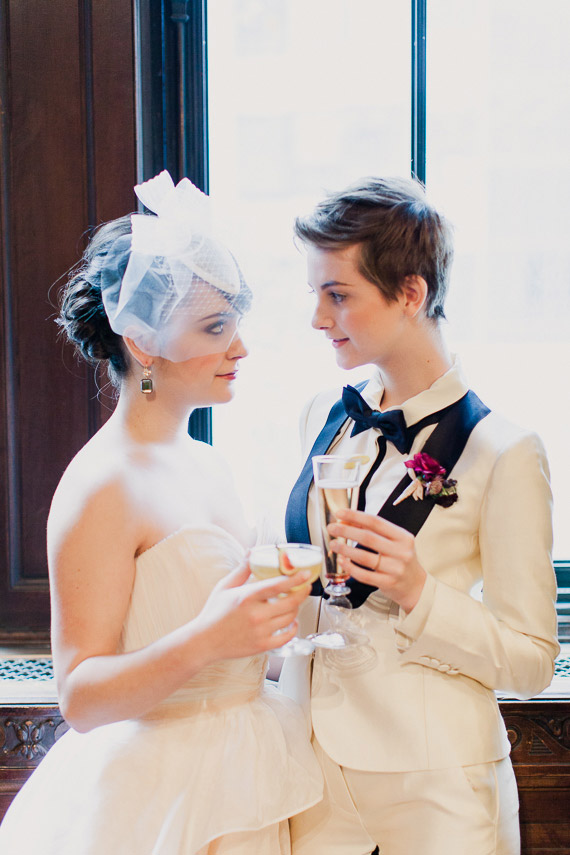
{"x":146,"y":382}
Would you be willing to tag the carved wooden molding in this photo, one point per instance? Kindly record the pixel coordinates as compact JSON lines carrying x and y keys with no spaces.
{"x":539,"y":731}
{"x":26,"y":735}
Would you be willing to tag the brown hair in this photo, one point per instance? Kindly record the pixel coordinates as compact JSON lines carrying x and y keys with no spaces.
{"x":399,"y":232}
{"x":82,"y":314}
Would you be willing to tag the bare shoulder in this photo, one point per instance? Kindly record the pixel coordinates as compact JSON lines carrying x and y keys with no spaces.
{"x":94,"y":500}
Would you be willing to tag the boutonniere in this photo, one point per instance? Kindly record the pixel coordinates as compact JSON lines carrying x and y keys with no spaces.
{"x":428,"y":479}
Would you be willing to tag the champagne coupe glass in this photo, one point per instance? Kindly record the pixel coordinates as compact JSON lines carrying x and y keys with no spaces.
{"x":286,"y":559}
{"x":337,"y":480}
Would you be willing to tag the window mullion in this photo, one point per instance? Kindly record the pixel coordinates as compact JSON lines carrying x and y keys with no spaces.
{"x":172,"y":107}
{"x":418,"y":158}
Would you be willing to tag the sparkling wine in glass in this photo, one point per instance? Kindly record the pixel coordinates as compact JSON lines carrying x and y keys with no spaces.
{"x":286,"y":559}
{"x":333,"y":496}
{"x":337,"y":480}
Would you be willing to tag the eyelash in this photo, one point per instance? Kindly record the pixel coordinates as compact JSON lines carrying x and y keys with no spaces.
{"x":334,"y":296}
{"x":216,"y":329}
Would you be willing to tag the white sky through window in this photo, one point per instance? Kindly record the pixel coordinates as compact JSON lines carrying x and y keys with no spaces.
{"x":309,"y":95}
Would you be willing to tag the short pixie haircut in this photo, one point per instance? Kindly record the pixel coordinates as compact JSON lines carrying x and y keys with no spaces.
{"x":400,"y":235}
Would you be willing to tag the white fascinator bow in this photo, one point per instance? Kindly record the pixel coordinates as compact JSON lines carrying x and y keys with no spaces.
{"x":181,"y":211}
{"x":175,"y":265}
{"x":182,"y":224}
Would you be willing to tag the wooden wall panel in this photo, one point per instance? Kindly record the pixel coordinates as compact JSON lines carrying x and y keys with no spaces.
{"x":67,"y":162}
{"x":539,"y":731}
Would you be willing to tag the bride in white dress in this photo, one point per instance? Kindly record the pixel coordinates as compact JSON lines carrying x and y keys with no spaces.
{"x":176,"y":747}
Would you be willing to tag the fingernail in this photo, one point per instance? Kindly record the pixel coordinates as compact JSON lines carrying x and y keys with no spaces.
{"x":305,"y":574}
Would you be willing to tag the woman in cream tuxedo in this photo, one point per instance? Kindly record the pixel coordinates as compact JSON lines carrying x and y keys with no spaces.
{"x":411,"y":740}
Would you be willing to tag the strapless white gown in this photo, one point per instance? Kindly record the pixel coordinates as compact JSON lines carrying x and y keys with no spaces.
{"x":226,"y":753}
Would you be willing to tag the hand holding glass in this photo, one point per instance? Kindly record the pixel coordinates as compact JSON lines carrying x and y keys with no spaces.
{"x":285,"y":559}
{"x":337,"y":480}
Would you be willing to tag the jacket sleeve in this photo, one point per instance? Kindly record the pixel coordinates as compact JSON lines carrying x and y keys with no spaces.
{"x":507,"y":641}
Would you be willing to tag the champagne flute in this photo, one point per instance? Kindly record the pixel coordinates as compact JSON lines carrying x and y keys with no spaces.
{"x":286,"y":559}
{"x":337,"y":480}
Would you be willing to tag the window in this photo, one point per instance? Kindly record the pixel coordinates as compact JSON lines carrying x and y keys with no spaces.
{"x":307,"y":95}
{"x":303,"y":97}
{"x":498,"y":121}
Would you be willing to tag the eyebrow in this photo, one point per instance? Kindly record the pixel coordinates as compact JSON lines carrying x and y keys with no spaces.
{"x":218,"y":315}
{"x":333,"y":283}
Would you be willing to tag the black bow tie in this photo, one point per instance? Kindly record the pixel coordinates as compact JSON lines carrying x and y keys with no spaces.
{"x":392,"y":424}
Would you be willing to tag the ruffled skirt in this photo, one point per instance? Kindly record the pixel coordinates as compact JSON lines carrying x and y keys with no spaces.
{"x":170,"y":784}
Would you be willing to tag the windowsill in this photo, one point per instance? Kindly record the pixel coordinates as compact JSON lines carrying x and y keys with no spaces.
{"x":41,"y":689}
{"x":26,"y":677}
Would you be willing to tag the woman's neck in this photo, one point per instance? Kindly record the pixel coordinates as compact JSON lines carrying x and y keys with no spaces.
{"x":422,"y":360}
{"x":145,"y":419}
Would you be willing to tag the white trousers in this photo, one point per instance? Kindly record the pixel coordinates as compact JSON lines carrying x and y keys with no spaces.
{"x":458,"y":811}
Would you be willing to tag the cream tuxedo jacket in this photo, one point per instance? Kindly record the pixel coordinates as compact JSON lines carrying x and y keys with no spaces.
{"x":421,"y":695}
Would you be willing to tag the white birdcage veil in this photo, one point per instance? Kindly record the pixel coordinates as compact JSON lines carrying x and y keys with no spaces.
{"x":182,"y":292}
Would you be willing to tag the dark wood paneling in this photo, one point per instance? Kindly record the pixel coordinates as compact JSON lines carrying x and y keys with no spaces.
{"x":539,"y":732}
{"x":27,"y":732}
{"x":67,"y":163}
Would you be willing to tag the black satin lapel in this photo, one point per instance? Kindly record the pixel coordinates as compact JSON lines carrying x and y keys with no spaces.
{"x":446,"y":445}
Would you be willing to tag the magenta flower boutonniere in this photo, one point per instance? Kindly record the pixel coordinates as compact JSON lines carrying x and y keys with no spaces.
{"x":428,"y":479}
